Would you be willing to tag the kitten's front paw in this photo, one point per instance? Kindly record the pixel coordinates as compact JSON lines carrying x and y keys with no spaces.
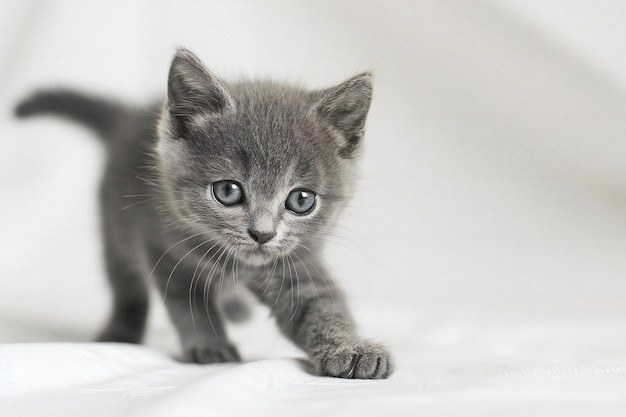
{"x":361,"y":360}
{"x":216,"y":352}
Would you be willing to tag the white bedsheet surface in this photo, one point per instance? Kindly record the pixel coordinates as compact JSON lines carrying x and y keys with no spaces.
{"x":485,"y":245}
{"x":558,"y":369}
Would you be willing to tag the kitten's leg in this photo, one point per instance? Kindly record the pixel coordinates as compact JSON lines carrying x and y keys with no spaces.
{"x":313,"y":314}
{"x":193,"y":312}
{"x":231,"y":302}
{"x":130,"y":296}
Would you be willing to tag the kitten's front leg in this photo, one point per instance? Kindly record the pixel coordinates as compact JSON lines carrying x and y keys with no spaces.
{"x":190,"y":304}
{"x":313,"y":314}
{"x":336,"y":351}
{"x":200,"y":329}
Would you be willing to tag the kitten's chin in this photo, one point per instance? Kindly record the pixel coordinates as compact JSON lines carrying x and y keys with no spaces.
{"x":256,"y":259}
{"x":259,"y":256}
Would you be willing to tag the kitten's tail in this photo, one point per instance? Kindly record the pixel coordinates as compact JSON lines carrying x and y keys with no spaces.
{"x":101,"y":115}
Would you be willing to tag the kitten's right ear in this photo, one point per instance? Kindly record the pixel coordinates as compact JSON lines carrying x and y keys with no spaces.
{"x":192,"y":90}
{"x":345,"y":106}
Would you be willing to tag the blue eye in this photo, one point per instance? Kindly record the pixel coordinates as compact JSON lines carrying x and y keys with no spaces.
{"x":228,"y":192}
{"x":300,"y":201}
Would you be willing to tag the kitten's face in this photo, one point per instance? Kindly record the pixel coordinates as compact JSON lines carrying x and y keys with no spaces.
{"x":259,"y":168}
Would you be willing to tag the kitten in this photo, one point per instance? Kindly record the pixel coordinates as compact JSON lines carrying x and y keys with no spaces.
{"x":227,"y":184}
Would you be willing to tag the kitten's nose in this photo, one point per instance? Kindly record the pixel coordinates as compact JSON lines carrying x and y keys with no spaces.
{"x":261,"y":237}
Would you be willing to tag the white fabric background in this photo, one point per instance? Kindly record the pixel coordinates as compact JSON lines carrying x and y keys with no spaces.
{"x":485,"y":245}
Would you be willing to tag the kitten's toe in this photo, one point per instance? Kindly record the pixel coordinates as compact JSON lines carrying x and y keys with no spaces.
{"x":358,"y":361}
{"x":214,"y":353}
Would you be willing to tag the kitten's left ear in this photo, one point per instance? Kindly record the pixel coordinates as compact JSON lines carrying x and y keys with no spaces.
{"x":345,"y":107}
{"x":192,"y":90}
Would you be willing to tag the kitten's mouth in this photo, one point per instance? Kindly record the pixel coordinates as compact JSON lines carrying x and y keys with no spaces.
{"x":259,"y":255}
{"x":257,"y":259}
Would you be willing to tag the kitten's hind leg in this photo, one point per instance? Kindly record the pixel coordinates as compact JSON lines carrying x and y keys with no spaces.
{"x":130,"y":297}
{"x":193,"y":311}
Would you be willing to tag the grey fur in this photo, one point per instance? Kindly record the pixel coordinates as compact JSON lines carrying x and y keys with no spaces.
{"x":161,"y":222}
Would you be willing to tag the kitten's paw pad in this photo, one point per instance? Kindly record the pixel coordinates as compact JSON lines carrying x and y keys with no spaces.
{"x":359,"y":361}
{"x":214,"y":353}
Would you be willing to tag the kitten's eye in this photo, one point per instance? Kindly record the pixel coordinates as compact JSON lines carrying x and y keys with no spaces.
{"x":228,"y":193}
{"x":300,"y":201}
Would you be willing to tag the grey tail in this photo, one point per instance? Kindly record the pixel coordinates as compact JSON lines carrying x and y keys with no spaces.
{"x":101,"y":115}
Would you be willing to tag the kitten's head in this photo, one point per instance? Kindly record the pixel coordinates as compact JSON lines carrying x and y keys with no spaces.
{"x":262,"y":168}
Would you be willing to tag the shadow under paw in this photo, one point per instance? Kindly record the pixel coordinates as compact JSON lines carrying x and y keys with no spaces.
{"x":120,"y":333}
{"x":213,"y":353}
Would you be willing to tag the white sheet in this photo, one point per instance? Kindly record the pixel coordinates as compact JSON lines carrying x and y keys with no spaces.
{"x":485,"y":245}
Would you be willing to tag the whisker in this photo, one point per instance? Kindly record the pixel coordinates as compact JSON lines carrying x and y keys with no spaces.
{"x":282,"y":283}
{"x":295,"y":310}
{"x":312,"y":282}
{"x":168,"y":250}
{"x":137,"y":195}
{"x":198,"y":277}
{"x":333,"y":239}
{"x":235,"y":273}
{"x":220,"y":281}
{"x":287,"y":257}
{"x":137,"y":203}
{"x":270,"y":275}
{"x":330,"y":289}
{"x":167,"y":283}
{"x":195,"y":278}
{"x":207,"y":286}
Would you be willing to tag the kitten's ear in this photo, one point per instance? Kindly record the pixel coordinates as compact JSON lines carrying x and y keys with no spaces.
{"x":192,"y":90}
{"x":345,"y":107}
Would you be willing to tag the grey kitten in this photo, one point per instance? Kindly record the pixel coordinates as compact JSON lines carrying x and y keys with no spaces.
{"x":228,"y":184}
